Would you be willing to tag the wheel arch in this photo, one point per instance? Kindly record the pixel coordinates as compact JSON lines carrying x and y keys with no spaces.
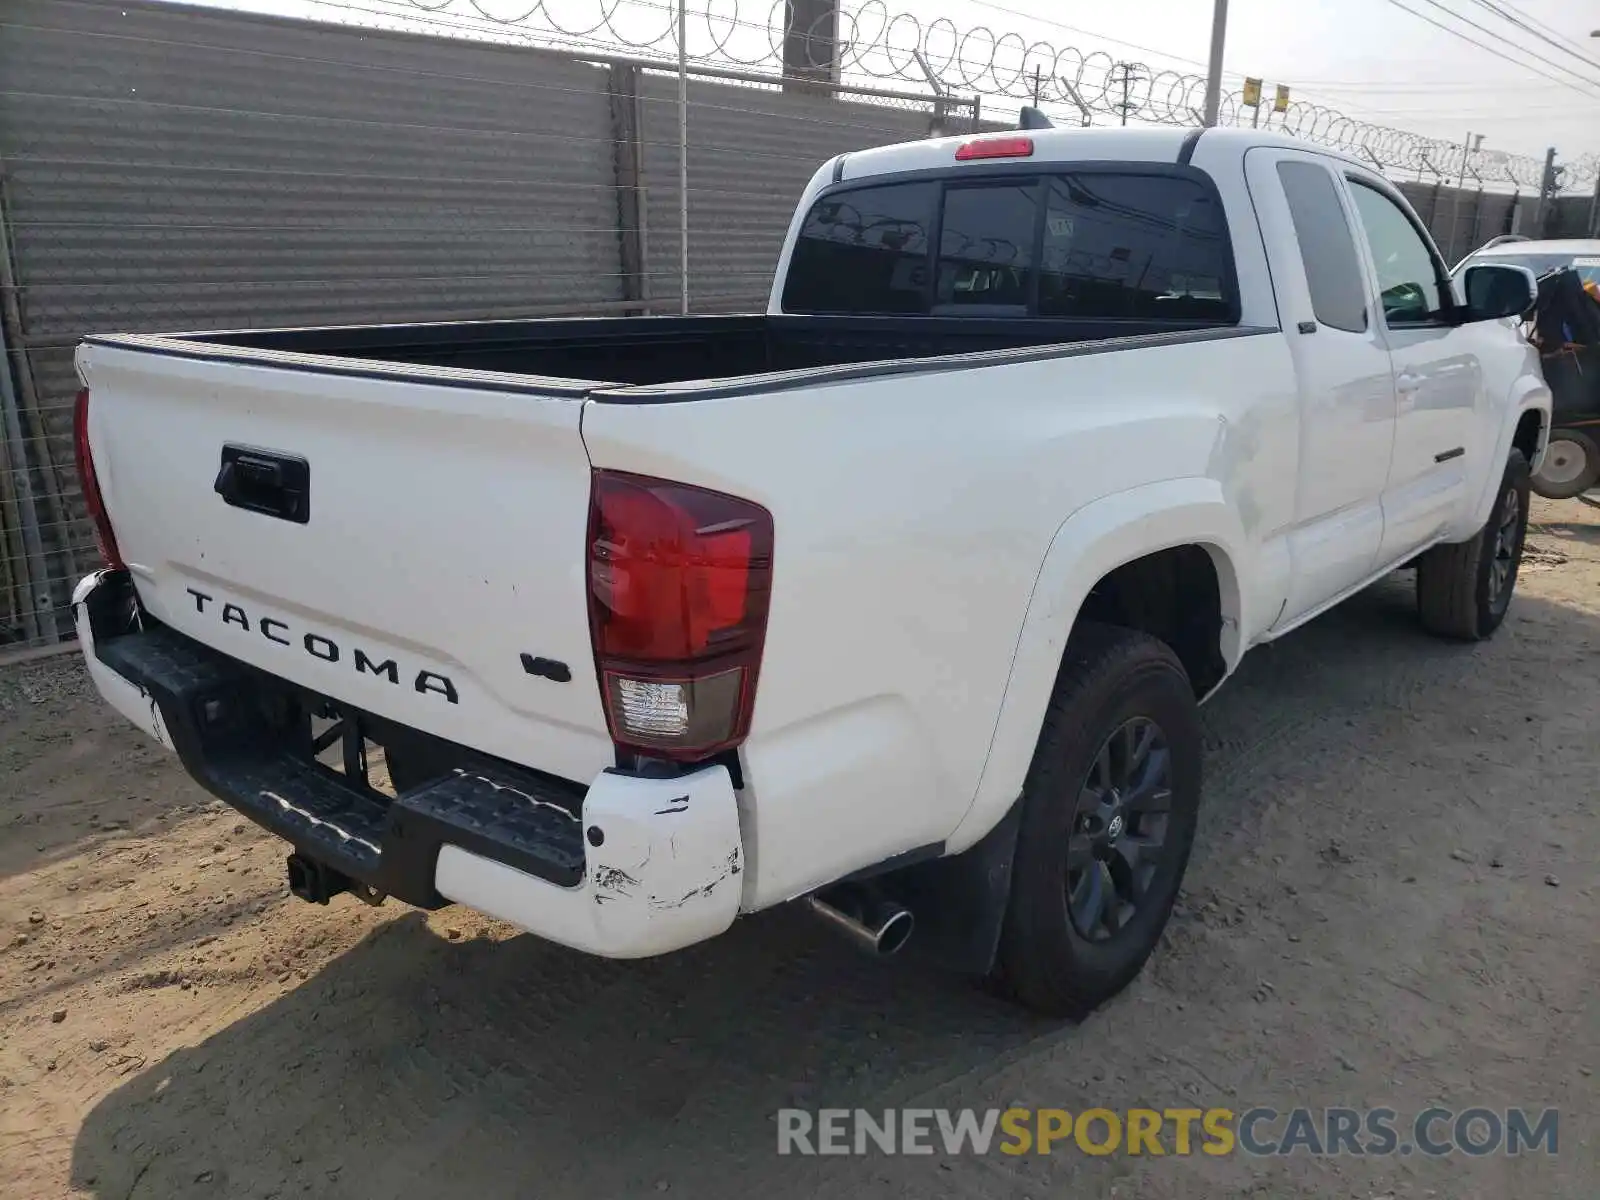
{"x":1091,"y":545}
{"x":1530,"y":401}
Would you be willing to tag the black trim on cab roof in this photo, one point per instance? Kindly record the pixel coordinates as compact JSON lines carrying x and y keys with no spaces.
{"x":1002,"y":167}
{"x":1190,"y":141}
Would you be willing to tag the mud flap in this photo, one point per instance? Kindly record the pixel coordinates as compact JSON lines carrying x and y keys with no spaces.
{"x":960,"y":902}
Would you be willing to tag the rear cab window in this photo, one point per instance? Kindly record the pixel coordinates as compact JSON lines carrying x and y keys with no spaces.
{"x":865,"y":250}
{"x":1091,"y":242}
{"x":986,"y":249}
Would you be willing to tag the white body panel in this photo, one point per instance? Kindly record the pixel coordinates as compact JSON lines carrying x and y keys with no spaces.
{"x":1346,"y":415}
{"x":908,"y":552}
{"x":937,"y":531}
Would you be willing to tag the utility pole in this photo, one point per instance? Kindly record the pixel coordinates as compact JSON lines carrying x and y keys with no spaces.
{"x":1127,"y":86}
{"x":1468,"y":148}
{"x":1547,"y":189}
{"x":1219,"y":34}
{"x":683,"y":159}
{"x":811,"y":45}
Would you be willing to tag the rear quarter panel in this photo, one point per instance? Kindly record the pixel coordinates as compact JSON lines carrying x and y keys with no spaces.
{"x":914,"y":515}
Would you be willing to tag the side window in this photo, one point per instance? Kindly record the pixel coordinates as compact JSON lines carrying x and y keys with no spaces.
{"x":1134,"y":246}
{"x":986,"y":248}
{"x":864,"y":251}
{"x":1333,"y":270}
{"x":1408,"y":281}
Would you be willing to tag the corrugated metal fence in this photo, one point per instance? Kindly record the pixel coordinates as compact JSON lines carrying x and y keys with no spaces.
{"x":164,"y":167}
{"x":1462,"y":219}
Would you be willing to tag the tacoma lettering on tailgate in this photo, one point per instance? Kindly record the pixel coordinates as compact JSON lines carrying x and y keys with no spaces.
{"x":321,"y":646}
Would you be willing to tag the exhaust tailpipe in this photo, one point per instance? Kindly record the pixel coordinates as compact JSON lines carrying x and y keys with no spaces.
{"x":872,"y":921}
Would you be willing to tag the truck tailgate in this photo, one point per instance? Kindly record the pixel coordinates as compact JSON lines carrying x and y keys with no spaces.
{"x":436,"y":544}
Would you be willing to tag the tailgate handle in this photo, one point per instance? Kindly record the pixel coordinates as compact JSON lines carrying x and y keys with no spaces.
{"x":265,"y":481}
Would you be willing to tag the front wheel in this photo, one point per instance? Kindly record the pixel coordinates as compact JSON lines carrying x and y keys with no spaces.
{"x":1464,"y":590}
{"x":1108,"y":819}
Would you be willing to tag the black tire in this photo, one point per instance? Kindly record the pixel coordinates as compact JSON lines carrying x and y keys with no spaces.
{"x":1464,"y":590}
{"x":1571,"y":465}
{"x":1111,"y":680}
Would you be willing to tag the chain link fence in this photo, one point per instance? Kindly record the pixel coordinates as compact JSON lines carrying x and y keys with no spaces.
{"x":165,"y":167}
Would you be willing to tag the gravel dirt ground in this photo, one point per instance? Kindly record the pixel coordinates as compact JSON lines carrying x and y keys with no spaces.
{"x":1393,"y":902}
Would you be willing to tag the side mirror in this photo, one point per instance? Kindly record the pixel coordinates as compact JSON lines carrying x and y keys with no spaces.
{"x":1494,"y":291}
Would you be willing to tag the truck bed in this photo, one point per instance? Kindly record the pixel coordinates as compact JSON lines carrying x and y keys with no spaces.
{"x":646,"y":351}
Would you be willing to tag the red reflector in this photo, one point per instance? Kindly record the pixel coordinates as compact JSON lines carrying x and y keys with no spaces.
{"x":1005,"y":147}
{"x":678,"y":584}
{"x":92,"y":499}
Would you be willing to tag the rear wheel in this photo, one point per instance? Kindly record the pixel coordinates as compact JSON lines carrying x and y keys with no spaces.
{"x":1571,"y":465}
{"x":1464,"y":590}
{"x":1109,"y":814}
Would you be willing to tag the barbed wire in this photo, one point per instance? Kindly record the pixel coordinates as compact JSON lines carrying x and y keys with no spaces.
{"x":872,"y":42}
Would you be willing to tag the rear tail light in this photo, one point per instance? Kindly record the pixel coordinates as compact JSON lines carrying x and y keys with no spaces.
{"x":92,"y":499}
{"x":679,"y":579}
{"x":995,"y":147}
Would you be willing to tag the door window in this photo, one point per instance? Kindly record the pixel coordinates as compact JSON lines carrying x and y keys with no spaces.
{"x":1408,"y":276}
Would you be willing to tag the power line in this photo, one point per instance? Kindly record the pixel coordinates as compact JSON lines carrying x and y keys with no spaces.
{"x":1517,"y":19}
{"x":1444,"y":8}
{"x":1421,"y":88}
{"x":1544,"y":33}
{"x":1434,"y":114}
{"x":1162,"y":98}
{"x":1490,"y":6}
{"x":1012,"y":12}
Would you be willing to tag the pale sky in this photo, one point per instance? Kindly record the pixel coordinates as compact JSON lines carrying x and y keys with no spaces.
{"x":1370,"y":59}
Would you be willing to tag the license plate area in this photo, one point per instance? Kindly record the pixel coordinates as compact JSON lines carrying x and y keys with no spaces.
{"x":339,"y":743}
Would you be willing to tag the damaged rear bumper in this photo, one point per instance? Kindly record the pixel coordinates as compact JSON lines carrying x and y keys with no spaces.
{"x":626,"y":868}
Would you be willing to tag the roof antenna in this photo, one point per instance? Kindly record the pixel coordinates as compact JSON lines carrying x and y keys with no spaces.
{"x":1032,"y":118}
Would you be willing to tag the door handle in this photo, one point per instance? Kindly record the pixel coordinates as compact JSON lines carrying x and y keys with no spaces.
{"x":1407,"y":383}
{"x":264,"y":481}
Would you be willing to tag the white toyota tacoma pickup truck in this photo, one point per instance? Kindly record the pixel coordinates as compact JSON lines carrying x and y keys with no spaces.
{"x":900,"y":597}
